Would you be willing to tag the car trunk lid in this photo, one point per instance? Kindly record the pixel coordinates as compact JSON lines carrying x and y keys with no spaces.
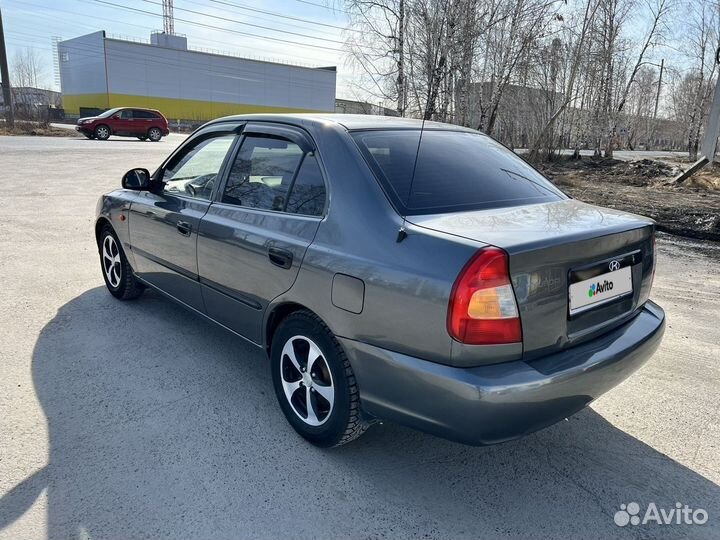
{"x":553,"y":245}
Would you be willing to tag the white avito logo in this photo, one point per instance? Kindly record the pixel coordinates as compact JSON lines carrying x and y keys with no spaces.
{"x":629,"y":514}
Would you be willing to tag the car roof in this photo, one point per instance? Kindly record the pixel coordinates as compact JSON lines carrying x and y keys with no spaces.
{"x":351,"y":122}
{"x":137,"y":109}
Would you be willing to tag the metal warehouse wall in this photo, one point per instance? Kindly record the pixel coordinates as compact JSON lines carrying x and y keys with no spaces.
{"x":194,"y":85}
{"x":82,"y":72}
{"x":185,"y":84}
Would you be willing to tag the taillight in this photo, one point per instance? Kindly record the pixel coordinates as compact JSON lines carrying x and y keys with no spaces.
{"x":482,"y":309}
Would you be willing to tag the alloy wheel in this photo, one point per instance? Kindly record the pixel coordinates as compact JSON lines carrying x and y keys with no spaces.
{"x":307,"y":380}
{"x":155,"y":134}
{"x":111,"y":261}
{"x":102,"y":132}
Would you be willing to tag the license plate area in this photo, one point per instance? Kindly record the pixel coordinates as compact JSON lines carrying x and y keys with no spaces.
{"x":601,"y":283}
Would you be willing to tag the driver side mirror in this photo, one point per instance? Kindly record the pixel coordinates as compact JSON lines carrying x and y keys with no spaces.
{"x":136,"y":179}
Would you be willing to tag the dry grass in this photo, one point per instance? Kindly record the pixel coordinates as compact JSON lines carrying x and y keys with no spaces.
{"x":29,"y":128}
{"x":646,"y":187}
{"x":707,"y":178}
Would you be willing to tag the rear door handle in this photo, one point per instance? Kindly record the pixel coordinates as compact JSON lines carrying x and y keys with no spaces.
{"x":280,"y":257}
{"x":184,"y":228}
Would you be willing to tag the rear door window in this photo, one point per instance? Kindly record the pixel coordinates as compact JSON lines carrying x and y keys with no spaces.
{"x":455,"y":171}
{"x":307,"y":195}
{"x":263,"y":172}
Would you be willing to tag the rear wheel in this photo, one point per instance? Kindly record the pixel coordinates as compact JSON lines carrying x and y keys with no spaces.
{"x":314,"y":382}
{"x":118,"y":275}
{"x":102,"y":132}
{"x":154,"y":134}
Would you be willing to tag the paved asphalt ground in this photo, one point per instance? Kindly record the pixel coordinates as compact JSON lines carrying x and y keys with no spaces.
{"x":138,"y":420}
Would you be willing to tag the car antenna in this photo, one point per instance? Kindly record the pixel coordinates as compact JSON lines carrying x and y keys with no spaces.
{"x":402,"y":233}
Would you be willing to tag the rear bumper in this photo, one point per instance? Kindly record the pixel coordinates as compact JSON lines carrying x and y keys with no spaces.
{"x":491,"y":404}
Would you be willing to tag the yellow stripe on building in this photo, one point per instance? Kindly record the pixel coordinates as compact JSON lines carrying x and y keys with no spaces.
{"x":172,"y":108}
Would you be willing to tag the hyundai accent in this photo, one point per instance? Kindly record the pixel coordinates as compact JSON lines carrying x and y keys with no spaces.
{"x":392,"y":270}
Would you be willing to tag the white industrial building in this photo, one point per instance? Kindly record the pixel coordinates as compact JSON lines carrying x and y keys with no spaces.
{"x":98,"y":72}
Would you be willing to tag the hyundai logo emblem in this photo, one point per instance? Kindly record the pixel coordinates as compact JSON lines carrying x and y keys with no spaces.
{"x":614,"y":265}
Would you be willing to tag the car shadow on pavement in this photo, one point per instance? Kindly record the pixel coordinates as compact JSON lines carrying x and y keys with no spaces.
{"x":162,"y":425}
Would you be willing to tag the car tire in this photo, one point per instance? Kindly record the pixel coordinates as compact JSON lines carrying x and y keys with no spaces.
{"x":102,"y":132}
{"x":154,"y":134}
{"x":117,"y":273}
{"x":333,"y":421}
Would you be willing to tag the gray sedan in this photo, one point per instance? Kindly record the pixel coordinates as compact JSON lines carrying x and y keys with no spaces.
{"x":425,"y":276}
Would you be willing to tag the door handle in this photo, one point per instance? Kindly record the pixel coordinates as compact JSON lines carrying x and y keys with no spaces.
{"x":280,"y":257}
{"x":184,"y":228}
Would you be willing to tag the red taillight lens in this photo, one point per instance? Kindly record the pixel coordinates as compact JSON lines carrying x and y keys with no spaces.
{"x":482,"y":308}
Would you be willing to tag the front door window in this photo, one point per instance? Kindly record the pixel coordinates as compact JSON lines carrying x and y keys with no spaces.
{"x":194,"y":173}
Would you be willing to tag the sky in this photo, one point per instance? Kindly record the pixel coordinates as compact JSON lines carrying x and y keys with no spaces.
{"x":302,"y":32}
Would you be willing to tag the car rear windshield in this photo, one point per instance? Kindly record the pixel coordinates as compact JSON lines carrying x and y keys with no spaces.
{"x":455,"y":171}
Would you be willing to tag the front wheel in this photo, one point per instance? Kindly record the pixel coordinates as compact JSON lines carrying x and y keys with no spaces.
{"x":154,"y":134}
{"x":117,"y":273}
{"x":314,"y":382}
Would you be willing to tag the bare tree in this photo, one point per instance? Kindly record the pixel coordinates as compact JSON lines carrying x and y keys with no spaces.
{"x":703,"y":39}
{"x":659,"y":13}
{"x":380,"y":49}
{"x":27,"y":69}
{"x":578,"y":46}
{"x":542,"y":73}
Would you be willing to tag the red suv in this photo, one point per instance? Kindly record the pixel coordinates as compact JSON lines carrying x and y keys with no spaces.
{"x":141,"y":123}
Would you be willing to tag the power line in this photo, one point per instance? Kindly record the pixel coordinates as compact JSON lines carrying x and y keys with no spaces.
{"x":308,"y":21}
{"x":281,"y":24}
{"x":94,"y":28}
{"x":34,"y":39}
{"x":148,"y":55}
{"x":141,"y":59}
{"x":219,"y":28}
{"x":323,"y":6}
{"x":227,"y":19}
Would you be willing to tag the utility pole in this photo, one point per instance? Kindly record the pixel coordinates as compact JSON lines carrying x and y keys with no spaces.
{"x":5,"y":74}
{"x":712,"y":129}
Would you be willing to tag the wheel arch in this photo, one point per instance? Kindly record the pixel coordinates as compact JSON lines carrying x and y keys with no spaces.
{"x":99,"y":224}
{"x":278,"y":313}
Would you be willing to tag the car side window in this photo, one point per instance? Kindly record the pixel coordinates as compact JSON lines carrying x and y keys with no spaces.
{"x":194,"y":172}
{"x":144,"y":115}
{"x":307,"y":195}
{"x":262,"y":172}
{"x":126,"y":114}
